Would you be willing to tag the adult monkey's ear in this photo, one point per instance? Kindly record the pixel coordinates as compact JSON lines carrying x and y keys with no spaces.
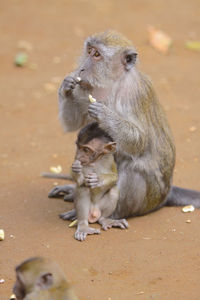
{"x":128,"y":59}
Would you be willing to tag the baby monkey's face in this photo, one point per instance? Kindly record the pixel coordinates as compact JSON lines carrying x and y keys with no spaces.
{"x":93,"y":150}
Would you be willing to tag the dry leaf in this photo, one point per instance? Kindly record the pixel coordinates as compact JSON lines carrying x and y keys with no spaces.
{"x":159,"y":40}
{"x":193,"y":129}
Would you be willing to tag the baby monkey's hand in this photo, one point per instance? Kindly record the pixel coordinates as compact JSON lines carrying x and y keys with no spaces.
{"x":92,"y":180}
{"x":77,"y":167}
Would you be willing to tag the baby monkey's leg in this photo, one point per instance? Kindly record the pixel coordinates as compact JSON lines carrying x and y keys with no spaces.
{"x":82,"y":206}
{"x":107,"y":206}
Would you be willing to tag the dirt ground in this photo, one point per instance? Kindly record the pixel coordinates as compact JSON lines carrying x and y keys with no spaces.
{"x":158,"y":257}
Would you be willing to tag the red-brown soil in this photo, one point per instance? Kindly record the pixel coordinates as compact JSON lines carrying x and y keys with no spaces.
{"x":158,"y":257}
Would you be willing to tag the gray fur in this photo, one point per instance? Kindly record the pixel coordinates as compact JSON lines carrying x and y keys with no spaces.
{"x":128,"y":110}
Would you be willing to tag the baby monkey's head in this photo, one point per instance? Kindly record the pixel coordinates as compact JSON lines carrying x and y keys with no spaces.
{"x":93,"y":143}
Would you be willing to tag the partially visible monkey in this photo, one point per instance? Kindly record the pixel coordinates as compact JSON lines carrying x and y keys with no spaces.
{"x":95,"y":173}
{"x":128,"y":110}
{"x":41,"y":279}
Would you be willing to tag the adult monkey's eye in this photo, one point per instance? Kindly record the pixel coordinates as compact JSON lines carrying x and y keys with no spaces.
{"x":96,"y":54}
{"x":129,"y":58}
{"x":89,"y":50}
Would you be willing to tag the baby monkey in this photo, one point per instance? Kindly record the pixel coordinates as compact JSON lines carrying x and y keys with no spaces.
{"x":95,"y":173}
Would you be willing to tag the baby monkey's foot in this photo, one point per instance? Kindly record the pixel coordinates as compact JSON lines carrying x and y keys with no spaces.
{"x":109,"y":223}
{"x":81,"y":233}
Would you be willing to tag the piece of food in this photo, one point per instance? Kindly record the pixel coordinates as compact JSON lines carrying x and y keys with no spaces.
{"x":2,"y":281}
{"x":188,"y":208}
{"x":72,"y":224}
{"x":2,"y":235}
{"x":13,"y":297}
{"x":56,"y":170}
{"x":159,"y":40}
{"x":193,"y":45}
{"x":188,"y":221}
{"x":92,"y":100}
{"x":78,"y":78}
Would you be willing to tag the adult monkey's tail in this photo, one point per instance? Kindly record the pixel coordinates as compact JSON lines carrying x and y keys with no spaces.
{"x":181,"y":197}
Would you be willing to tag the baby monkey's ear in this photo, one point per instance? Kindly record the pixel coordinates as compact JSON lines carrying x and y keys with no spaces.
{"x":109,"y":148}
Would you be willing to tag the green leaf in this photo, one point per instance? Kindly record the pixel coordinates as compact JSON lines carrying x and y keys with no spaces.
{"x":21,"y":59}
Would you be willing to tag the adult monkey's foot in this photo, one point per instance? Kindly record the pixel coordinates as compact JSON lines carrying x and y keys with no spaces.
{"x":63,"y":190}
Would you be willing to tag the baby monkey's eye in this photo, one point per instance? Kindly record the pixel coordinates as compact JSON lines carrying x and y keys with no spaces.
{"x":89,"y":50}
{"x":86,"y":150}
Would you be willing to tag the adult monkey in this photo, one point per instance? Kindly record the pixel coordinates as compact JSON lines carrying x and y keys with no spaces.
{"x":39,"y":278}
{"x":128,"y":110}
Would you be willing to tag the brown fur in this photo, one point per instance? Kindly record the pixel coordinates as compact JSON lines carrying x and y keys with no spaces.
{"x":95,"y":172}
{"x":127,"y":108}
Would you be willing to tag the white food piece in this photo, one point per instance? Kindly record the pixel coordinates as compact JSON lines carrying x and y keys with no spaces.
{"x":2,"y":235}
{"x":13,"y":297}
{"x":72,"y":224}
{"x":78,"y":78}
{"x":2,"y":281}
{"x":92,"y":100}
{"x":56,"y":170}
{"x":188,"y":208}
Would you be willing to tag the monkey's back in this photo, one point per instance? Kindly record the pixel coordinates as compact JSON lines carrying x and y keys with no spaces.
{"x":149,"y":170}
